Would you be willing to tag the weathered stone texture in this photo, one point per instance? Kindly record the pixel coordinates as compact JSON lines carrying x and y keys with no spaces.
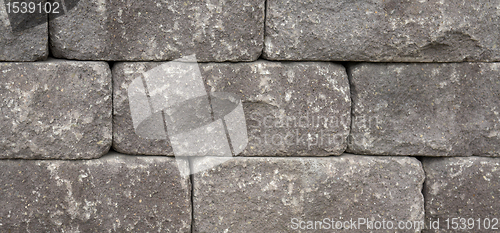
{"x":265,"y":194}
{"x":450,"y":109}
{"x":160,"y":30}
{"x":390,"y":30}
{"x":465,"y":188}
{"x":23,"y":37}
{"x":290,"y":108}
{"x":55,"y":110}
{"x":115,"y":193}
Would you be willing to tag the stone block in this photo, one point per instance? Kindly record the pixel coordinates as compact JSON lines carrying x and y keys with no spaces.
{"x":300,"y":109}
{"x":159,"y":30}
{"x":461,"y":194}
{"x":55,"y":109}
{"x":276,"y":194}
{"x":24,"y":36}
{"x":383,"y":30}
{"x":115,"y":193}
{"x":449,"y":109}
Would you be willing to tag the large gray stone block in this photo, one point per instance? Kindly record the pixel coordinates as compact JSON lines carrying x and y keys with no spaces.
{"x":55,"y":110}
{"x":115,"y":193}
{"x":290,"y":108}
{"x":383,"y":30}
{"x":450,"y":109}
{"x":160,"y":30}
{"x":23,"y":36}
{"x":275,"y":194}
{"x":462,"y":190}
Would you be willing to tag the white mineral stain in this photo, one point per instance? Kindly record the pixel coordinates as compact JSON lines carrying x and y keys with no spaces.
{"x":101,"y":8}
{"x":487,"y":177}
{"x":288,"y":95}
{"x":494,"y":134}
{"x":435,"y":71}
{"x":72,"y":206}
{"x":290,"y":75}
{"x":269,"y":46}
{"x":495,"y":66}
{"x":262,"y":69}
{"x":228,"y":46}
{"x":454,"y":171}
{"x":442,"y":84}
{"x":344,"y":89}
{"x":264,"y":80}
{"x":132,"y":70}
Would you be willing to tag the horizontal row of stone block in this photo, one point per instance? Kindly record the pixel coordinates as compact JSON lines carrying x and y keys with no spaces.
{"x":243,"y":30}
{"x":76,"y":110}
{"x":121,"y":193}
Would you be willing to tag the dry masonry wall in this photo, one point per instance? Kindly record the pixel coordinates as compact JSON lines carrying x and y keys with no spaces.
{"x":330,"y":138}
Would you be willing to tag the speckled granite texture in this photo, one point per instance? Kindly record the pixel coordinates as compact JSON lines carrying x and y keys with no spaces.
{"x":55,"y":109}
{"x":160,"y":30}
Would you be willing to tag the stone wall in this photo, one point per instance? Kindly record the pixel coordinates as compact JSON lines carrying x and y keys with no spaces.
{"x":338,"y":116}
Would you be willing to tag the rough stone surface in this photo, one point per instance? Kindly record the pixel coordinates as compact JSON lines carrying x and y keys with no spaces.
{"x":23,"y":37}
{"x":55,"y":110}
{"x":265,"y":194}
{"x":467,"y":187}
{"x":290,"y":108}
{"x":160,"y":30}
{"x":383,"y":30}
{"x":450,"y":109}
{"x":115,"y":193}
